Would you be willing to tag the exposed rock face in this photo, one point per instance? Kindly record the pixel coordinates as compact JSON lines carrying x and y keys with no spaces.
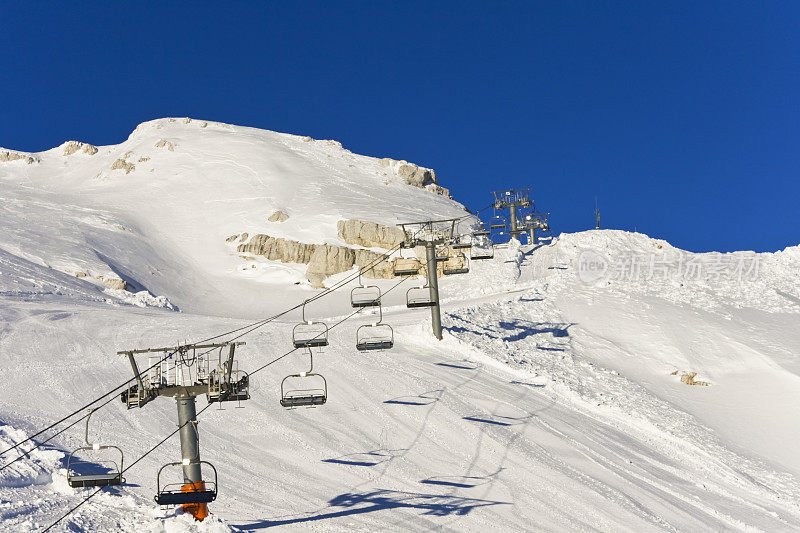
{"x":327,"y":260}
{"x":415,"y":175}
{"x":10,"y":155}
{"x":688,"y":378}
{"x":278,"y":216}
{"x":72,"y":147}
{"x":323,"y":259}
{"x":121,"y":164}
{"x":163,"y":143}
{"x":380,"y":270}
{"x":369,"y":234}
{"x":286,"y":251}
{"x":115,"y":283}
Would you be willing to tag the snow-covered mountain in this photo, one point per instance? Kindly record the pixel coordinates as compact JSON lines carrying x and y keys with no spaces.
{"x":157,"y":212}
{"x":607,"y":381}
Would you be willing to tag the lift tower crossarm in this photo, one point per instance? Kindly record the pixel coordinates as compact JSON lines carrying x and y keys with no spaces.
{"x":177,"y":348}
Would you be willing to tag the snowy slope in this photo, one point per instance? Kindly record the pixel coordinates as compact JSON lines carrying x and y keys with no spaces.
{"x":550,"y":405}
{"x":161,"y":223}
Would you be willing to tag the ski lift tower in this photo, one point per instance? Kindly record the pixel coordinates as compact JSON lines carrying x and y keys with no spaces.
{"x":534,"y":221}
{"x":513,"y":199}
{"x":430,"y":234}
{"x":183,"y":373}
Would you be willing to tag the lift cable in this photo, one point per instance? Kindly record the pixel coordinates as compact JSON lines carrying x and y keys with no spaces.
{"x":90,"y":496}
{"x":254,"y":326}
{"x":257,"y":325}
{"x":24,"y":453}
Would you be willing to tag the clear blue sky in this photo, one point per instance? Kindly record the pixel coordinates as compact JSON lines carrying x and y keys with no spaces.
{"x":683,"y":118}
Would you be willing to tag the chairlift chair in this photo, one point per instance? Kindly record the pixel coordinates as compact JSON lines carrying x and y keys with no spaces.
{"x":419,"y":297}
{"x":309,"y":334}
{"x":482,"y":250}
{"x":497,"y":222}
{"x":305,"y":396}
{"x":375,"y":336}
{"x":187,"y":492}
{"x":406,"y":266}
{"x":452,"y":266}
{"x":462,"y":244}
{"x":365,"y":295}
{"x":87,"y":473}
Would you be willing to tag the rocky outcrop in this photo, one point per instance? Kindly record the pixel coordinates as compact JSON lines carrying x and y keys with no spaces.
{"x":114,"y":283}
{"x":163,"y":143}
{"x":278,"y":249}
{"x":327,"y":260}
{"x":6,"y":156}
{"x":72,"y":147}
{"x":121,"y":164}
{"x":688,"y":378}
{"x":278,"y":216}
{"x":415,"y":175}
{"x":369,"y":234}
{"x":323,"y":260}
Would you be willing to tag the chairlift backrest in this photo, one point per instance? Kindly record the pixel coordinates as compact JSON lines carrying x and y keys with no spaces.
{"x":306,"y":396}
{"x":419,"y":297}
{"x":457,"y":264}
{"x":97,"y":473}
{"x":186,"y":492}
{"x":365,"y":296}
{"x":374,"y":337}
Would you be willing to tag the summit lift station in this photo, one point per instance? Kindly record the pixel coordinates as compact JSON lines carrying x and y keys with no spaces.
{"x":183,"y":373}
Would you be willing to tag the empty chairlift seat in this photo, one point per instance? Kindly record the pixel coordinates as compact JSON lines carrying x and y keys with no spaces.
{"x":497,"y":222}
{"x":457,"y":264}
{"x":306,"y":389}
{"x":481,"y":251}
{"x":96,"y":472}
{"x":374,"y":337}
{"x":369,"y":296}
{"x":419,"y":297}
{"x":310,"y":335}
{"x":99,"y":468}
{"x":186,"y":492}
{"x":404,"y":266}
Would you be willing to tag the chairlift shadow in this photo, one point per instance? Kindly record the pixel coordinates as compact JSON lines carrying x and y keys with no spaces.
{"x":534,"y":385}
{"x":426,"y":398}
{"x":471,"y":365}
{"x":459,"y":329}
{"x":525,"y":329}
{"x":382,"y":500}
{"x":371,"y":458}
{"x":500,"y":420}
{"x":459,"y":482}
